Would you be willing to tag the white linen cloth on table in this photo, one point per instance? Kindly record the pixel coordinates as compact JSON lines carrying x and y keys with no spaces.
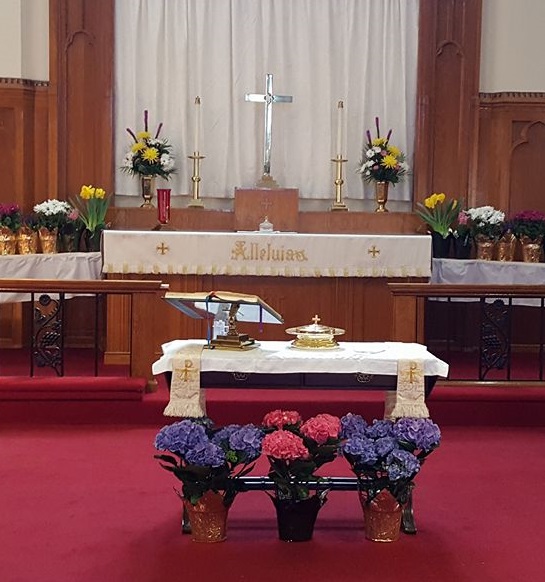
{"x":278,"y":357}
{"x":70,"y":266}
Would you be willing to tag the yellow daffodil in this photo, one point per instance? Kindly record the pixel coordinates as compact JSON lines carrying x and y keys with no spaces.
{"x":92,"y":205}
{"x":438,"y":213}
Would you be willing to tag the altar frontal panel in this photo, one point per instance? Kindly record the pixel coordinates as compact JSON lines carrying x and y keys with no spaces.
{"x":276,"y":254}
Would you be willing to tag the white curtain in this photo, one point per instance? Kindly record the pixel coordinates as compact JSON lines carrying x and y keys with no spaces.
{"x":363,"y":52}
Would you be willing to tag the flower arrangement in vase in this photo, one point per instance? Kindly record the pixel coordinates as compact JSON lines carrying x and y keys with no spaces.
{"x":383,"y":164}
{"x":208,"y":462}
{"x":386,"y":456}
{"x":148,"y":157}
{"x":296,"y":450}
{"x":92,"y":205}
{"x":440,"y":215}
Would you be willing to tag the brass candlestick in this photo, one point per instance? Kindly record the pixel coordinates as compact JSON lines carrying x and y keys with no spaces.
{"x":196,"y":201}
{"x":339,"y":204}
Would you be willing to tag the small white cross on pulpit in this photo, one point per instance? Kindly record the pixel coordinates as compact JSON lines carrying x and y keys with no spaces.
{"x":316,"y":319}
{"x":268,"y":98}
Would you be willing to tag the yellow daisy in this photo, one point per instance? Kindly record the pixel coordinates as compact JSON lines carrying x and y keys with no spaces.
{"x":138,"y":147}
{"x":378,"y":141}
{"x":395,"y":151}
{"x":150,"y":154}
{"x":389,"y":161}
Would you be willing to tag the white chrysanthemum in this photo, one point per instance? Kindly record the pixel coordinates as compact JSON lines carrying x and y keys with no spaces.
{"x":128,"y":160}
{"x":167,"y":163}
{"x":377,"y":150}
{"x":370,"y":153}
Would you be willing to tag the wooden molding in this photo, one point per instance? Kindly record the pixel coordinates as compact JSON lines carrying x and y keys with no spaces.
{"x":23,"y":82}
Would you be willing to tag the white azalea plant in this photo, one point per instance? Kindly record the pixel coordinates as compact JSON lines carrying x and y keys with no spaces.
{"x":486,"y":222}
{"x":52,"y":214}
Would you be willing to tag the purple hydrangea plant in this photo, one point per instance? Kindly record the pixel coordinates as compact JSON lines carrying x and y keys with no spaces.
{"x":207,"y":459}
{"x":387,"y":454}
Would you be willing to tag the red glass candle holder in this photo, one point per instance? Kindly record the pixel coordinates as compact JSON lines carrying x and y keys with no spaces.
{"x":163,"y":205}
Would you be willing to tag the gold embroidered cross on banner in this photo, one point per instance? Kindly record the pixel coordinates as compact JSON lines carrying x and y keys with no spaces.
{"x":373,"y":251}
{"x":187,"y":370}
{"x":162,"y":248}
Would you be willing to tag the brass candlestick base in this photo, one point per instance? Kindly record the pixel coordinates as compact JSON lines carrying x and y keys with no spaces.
{"x":196,"y":201}
{"x":339,"y":204}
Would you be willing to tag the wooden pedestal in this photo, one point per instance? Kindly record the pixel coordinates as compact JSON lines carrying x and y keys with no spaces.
{"x":279,"y":205}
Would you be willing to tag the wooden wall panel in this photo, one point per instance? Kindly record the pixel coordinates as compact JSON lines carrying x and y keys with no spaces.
{"x":8,"y":137}
{"x":82,"y":67}
{"x":447,"y":96}
{"x":511,"y":172}
{"x":24,"y":140}
{"x":361,"y":306}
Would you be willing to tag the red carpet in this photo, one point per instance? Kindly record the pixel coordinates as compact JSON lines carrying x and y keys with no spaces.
{"x":83,"y":500}
{"x":90,"y":504}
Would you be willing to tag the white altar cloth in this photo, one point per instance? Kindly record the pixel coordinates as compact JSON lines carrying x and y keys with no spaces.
{"x":71,"y":266}
{"x":276,"y":357}
{"x":266,"y":254}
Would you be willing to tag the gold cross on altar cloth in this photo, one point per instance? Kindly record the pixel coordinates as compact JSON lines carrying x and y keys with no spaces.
{"x":373,"y":251}
{"x":162,"y":248}
{"x":411,"y":375}
{"x":187,"y":370}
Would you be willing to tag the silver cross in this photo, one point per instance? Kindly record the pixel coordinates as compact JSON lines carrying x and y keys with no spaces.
{"x":268,"y":98}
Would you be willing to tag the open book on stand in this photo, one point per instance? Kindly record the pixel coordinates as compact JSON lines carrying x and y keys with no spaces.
{"x":237,"y":306}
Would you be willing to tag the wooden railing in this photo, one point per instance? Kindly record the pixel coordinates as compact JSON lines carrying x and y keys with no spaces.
{"x":492,"y":319}
{"x":142,"y":295}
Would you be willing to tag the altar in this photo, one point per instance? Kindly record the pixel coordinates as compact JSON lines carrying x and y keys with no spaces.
{"x":341,"y":277}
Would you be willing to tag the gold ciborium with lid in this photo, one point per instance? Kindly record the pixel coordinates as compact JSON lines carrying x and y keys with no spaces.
{"x":315,"y":336}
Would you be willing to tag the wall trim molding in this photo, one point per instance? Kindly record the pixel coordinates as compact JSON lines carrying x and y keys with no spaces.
{"x":24,"y":82}
{"x":512,"y":97}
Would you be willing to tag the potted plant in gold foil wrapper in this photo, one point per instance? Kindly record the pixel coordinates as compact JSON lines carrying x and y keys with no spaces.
{"x":10,"y":222}
{"x":528,"y":227}
{"x":209,"y":462}
{"x":386,"y":456}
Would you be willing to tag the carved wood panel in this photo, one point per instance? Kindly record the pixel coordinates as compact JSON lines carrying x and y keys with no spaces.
{"x":511,"y":172}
